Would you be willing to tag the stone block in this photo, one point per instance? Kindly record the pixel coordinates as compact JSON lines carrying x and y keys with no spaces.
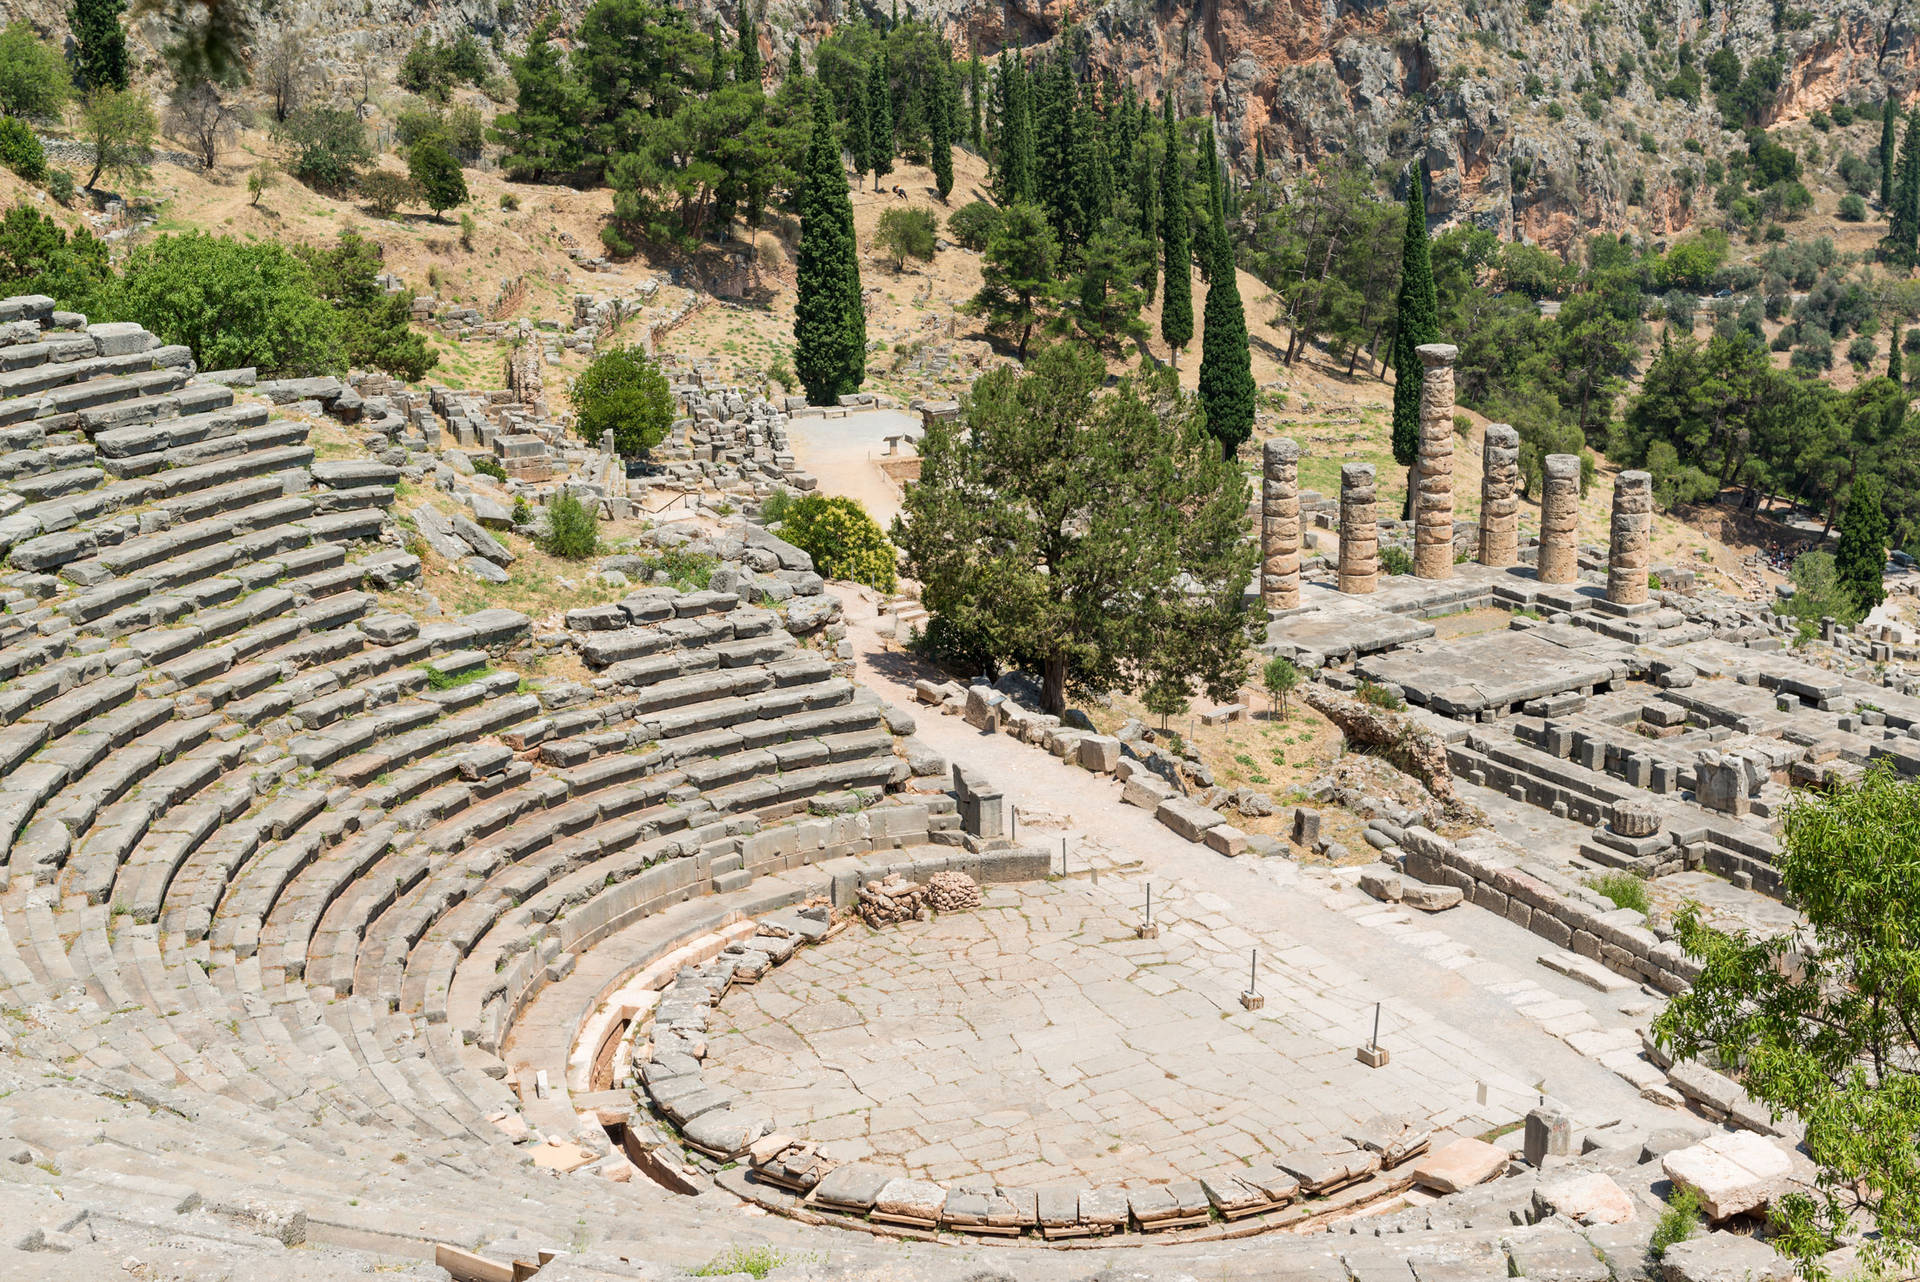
{"x":1430,"y":899}
{"x":1549,"y":1133}
{"x":1586,"y":1198}
{"x":1226,"y":839}
{"x":1188,"y":819}
{"x":1732,"y":1172}
{"x":1723,"y":1257}
{"x":1147,"y":791}
{"x":1100,"y":753}
{"x":1460,"y":1165}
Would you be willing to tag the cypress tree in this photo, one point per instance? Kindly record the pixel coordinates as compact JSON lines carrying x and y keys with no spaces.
{"x":1417,"y":321}
{"x":829,"y":322}
{"x":1893,"y":357}
{"x":1226,"y":359}
{"x":1054,"y":155}
{"x":1176,"y":307}
{"x":976,"y":85}
{"x":879,"y":118}
{"x":1146,"y":200}
{"x":1887,"y":113}
{"x":859,"y":140}
{"x":1259,"y":158}
{"x":748,"y":38}
{"x":1014,"y":183}
{"x":1860,"y":562}
{"x":796,"y":67}
{"x":1213,"y":233}
{"x":99,"y":43}
{"x":940,"y":125}
{"x":1903,"y":218}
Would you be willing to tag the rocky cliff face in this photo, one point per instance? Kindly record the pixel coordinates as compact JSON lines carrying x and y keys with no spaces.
{"x":1471,"y":88}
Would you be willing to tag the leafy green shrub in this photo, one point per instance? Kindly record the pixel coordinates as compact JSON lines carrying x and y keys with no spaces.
{"x":375,"y":326}
{"x":1623,"y":888}
{"x":330,"y":147}
{"x":488,"y":465}
{"x":905,"y":233}
{"x":522,"y":510}
{"x":385,"y":191}
{"x":234,"y":304}
{"x":844,"y":542}
{"x":778,"y":504}
{"x":1852,"y":209}
{"x":1380,"y":696}
{"x":20,"y":149}
{"x":1394,"y":560}
{"x":573,"y":528}
{"x":33,"y":74}
{"x":625,"y":393}
{"x":60,"y":185}
{"x":38,"y":257}
{"x":1677,"y":1222}
{"x":971,"y":225}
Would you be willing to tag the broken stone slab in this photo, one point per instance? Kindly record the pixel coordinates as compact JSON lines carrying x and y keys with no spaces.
{"x":1428,"y":898}
{"x":1732,"y":1172}
{"x":1460,"y":1165}
{"x":1188,"y":819}
{"x":1383,"y":884}
{"x":482,"y":543}
{"x":1586,"y":1198}
{"x":1324,"y":1172}
{"x":1724,"y":1257}
{"x":910,"y":1199}
{"x":725,"y":1132}
{"x":853,"y":1187}
{"x":1393,"y":1136}
{"x":1104,"y":1209}
{"x":1146,"y":791}
{"x":481,"y":568}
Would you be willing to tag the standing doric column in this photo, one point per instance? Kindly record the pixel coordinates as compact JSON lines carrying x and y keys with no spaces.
{"x":1433,"y":505}
{"x":1359,"y":529}
{"x":1629,"y":553}
{"x":1280,"y":525}
{"x":1499,"y":508}
{"x":1560,"y":519}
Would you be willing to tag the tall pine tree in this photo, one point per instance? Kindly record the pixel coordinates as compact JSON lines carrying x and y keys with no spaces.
{"x":541,"y":136}
{"x":1226,"y":360}
{"x":879,"y":118}
{"x":1860,"y":562}
{"x":99,"y":43}
{"x":1893,"y":356}
{"x":1417,"y":321}
{"x":1887,"y":114}
{"x":747,"y":32}
{"x":829,"y":321}
{"x":1176,"y":306}
{"x":1146,"y":202}
{"x":939,"y":128}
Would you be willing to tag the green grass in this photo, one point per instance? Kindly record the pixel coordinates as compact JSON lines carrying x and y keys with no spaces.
{"x":454,"y":680}
{"x":1623,"y":888}
{"x":1380,"y":697}
{"x":1677,"y":1222}
{"x":755,"y":1261}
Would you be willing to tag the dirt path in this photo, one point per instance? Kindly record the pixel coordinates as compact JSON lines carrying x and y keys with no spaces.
{"x":842,"y":453}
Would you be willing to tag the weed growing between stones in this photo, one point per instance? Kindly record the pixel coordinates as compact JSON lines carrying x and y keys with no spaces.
{"x":1623,"y":888}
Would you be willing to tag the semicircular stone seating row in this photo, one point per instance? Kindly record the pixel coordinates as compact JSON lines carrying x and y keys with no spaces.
{"x":283,"y":865}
